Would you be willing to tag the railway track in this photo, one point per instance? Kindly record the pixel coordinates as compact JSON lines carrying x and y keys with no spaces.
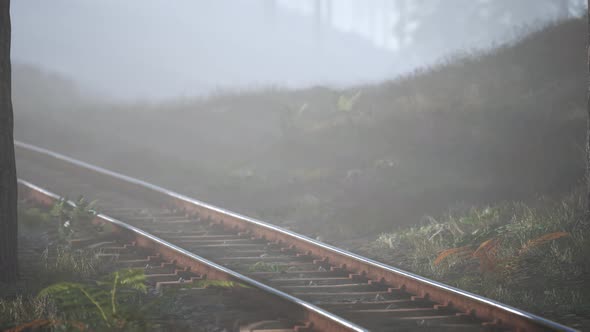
{"x":327,"y":288}
{"x":122,"y":246}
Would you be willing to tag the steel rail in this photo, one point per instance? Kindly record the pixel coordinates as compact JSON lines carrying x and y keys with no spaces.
{"x":487,"y":310}
{"x":320,"y":318}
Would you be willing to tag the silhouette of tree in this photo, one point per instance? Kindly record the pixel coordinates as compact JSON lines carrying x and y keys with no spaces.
{"x":587,"y":219}
{"x":8,"y":194}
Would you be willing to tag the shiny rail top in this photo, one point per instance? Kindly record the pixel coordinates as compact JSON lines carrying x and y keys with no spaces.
{"x":545,"y":323}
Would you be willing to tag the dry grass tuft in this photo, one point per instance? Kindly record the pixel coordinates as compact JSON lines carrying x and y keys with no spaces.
{"x":536,"y":242}
{"x":465,"y":251}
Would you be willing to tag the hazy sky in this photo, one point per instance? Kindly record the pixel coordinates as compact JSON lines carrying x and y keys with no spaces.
{"x":155,"y":49}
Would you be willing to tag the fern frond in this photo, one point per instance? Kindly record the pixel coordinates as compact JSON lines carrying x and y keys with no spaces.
{"x":68,"y":295}
{"x":487,"y":247}
{"x":541,"y":240}
{"x":133,"y":278}
{"x":463,"y":251}
{"x":58,"y":289}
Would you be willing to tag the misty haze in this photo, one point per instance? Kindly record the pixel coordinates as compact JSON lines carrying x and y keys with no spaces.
{"x":344,"y":142}
{"x":198,"y":47}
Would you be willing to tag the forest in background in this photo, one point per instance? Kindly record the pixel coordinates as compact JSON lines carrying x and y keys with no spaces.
{"x":137,"y":50}
{"x":476,"y":128}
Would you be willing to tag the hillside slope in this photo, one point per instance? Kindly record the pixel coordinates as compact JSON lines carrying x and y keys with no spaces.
{"x":478,"y":128}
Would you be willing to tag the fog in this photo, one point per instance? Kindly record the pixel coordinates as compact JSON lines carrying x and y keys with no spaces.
{"x":443,"y":137}
{"x":311,"y":112}
{"x":138,"y":49}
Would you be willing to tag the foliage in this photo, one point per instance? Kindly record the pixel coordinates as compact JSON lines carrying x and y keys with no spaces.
{"x":346,"y":103}
{"x":24,"y":309}
{"x":266,"y":267}
{"x":69,"y":217}
{"x":83,"y":210}
{"x":71,"y":263}
{"x":110,"y":302}
{"x":219,"y":284}
{"x":224,"y":284}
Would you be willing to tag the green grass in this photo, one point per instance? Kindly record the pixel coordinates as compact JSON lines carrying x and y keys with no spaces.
{"x":60,"y":261}
{"x":267,"y":267}
{"x":532,"y":256}
{"x":24,"y":309}
{"x":111,"y":302}
{"x":72,"y":264}
{"x":115,"y":302}
{"x":217,"y":284}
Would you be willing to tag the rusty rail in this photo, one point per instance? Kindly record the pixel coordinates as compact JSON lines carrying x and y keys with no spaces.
{"x":492,"y":313}
{"x":320,"y":319}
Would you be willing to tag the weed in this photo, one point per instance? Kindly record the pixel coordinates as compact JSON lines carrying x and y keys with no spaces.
{"x":70,"y":217}
{"x":223,"y":284}
{"x":266,"y":267}
{"x":72,"y":263}
{"x":110,"y":302}
{"x":25,"y":309}
{"x":219,"y":284}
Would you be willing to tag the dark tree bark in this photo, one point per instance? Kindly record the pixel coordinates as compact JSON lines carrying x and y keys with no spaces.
{"x":587,"y":219}
{"x":588,"y":117}
{"x":8,"y":195}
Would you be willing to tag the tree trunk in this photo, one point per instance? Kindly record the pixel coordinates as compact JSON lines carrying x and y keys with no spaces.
{"x":588,"y":118}
{"x":8,"y":195}
{"x":587,"y":219}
